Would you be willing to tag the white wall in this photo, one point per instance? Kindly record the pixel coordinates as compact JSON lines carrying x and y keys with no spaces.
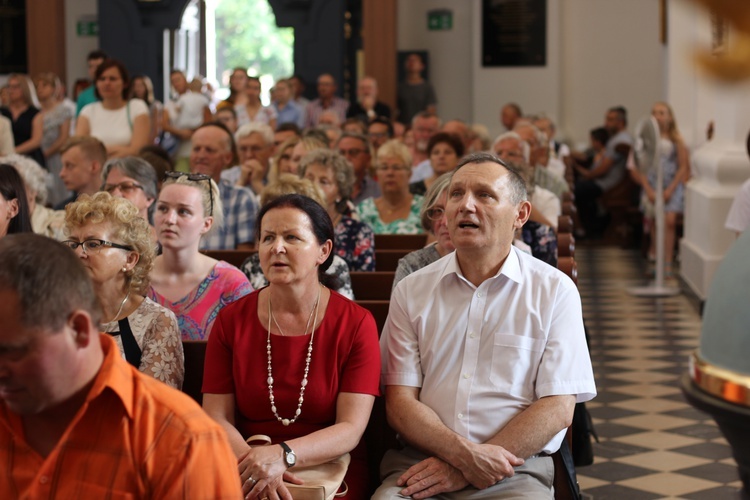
{"x":612,"y":56}
{"x":78,"y":47}
{"x":535,"y":89}
{"x":600,"y":53}
{"x":450,"y":52}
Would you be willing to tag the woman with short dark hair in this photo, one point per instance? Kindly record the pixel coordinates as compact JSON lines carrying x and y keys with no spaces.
{"x":14,"y":209}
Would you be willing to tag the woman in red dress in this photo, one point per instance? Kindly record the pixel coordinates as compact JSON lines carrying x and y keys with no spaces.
{"x":295,"y":360}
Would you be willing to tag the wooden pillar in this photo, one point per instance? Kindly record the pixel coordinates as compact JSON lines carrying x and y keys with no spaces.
{"x":379,"y":41}
{"x":45,"y":37}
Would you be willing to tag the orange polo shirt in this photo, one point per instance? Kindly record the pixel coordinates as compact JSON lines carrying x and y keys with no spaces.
{"x":134,"y":437}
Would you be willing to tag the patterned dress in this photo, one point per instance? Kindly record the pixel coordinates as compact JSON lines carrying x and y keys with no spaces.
{"x":197,"y":311}
{"x":355,"y":243}
{"x":158,"y":336}
{"x":369,"y":214}
{"x":542,"y":240}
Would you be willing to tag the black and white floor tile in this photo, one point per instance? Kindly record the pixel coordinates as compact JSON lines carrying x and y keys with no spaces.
{"x":652,"y":443}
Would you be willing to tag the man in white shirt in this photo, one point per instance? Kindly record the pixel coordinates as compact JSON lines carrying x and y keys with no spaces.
{"x":484,"y":354}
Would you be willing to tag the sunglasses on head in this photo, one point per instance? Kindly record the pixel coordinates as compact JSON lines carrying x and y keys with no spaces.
{"x":195,"y":178}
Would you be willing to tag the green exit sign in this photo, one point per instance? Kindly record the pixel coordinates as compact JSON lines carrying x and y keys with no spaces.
{"x":439,"y":20}
{"x":87,"y":28}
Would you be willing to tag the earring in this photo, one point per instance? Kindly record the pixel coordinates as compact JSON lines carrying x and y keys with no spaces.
{"x":124,"y":269}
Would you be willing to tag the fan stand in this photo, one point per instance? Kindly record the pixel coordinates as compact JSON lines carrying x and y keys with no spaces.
{"x":657,"y":288}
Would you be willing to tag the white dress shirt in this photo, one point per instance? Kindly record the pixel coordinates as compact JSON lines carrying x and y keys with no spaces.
{"x":547,"y":203}
{"x":481,"y":355}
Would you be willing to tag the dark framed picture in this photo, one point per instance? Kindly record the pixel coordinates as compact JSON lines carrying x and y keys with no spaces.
{"x":514,"y":32}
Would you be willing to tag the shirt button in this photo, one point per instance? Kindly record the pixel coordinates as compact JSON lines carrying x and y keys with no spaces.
{"x":479,"y":294}
{"x":460,"y":415}
{"x":472,"y":335}
{"x":43,"y":479}
{"x":466,"y":375}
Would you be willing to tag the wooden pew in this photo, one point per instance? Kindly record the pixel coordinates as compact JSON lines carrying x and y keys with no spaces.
{"x":195,"y":355}
{"x":387,"y":259}
{"x":565,"y":224}
{"x":372,"y":285}
{"x":379,"y":310}
{"x":566,"y":245}
{"x":400,"y":241}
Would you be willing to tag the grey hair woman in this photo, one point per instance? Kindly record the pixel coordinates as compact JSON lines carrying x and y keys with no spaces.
{"x":135,"y":180}
{"x":354,"y":241}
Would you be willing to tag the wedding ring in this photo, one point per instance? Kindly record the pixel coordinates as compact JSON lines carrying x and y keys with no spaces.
{"x":251,"y":479}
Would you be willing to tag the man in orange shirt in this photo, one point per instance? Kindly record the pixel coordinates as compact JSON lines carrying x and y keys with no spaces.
{"x":76,"y":420}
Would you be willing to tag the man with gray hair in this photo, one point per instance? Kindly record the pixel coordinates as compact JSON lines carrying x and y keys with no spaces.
{"x":367,"y":107}
{"x":481,"y":374}
{"x":512,"y":149}
{"x":254,"y":146}
{"x":69,"y":402}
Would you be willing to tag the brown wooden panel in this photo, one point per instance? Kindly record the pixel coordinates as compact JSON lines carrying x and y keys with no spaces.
{"x":387,"y":259}
{"x":45,"y":36}
{"x":400,"y":241}
{"x":372,"y":285}
{"x":379,"y":310}
{"x":379,"y":43}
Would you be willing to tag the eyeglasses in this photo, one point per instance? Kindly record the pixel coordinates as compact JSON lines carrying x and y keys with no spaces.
{"x":94,"y":245}
{"x":436,"y":213}
{"x":124,"y":187}
{"x":195,"y":178}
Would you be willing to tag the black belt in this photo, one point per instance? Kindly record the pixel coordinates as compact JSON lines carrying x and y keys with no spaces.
{"x":129,"y":345}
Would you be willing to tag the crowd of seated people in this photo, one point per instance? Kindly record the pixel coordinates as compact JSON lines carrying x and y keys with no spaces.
{"x":301,"y":190}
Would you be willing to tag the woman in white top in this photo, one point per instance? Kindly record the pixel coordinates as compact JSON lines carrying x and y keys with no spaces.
{"x":122,"y":125}
{"x":253,"y":110}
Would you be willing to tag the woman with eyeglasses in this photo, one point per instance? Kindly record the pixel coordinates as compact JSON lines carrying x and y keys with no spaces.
{"x":15,"y":216}
{"x":435,"y":223}
{"x":396,"y":210}
{"x":114,"y":244}
{"x":135,"y":180}
{"x":194,"y":286}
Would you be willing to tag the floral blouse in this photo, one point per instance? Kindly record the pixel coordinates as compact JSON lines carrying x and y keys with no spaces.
{"x":369,"y":214}
{"x":157,"y":334}
{"x":355,"y":243}
{"x":339,"y":268}
{"x":542,"y":240}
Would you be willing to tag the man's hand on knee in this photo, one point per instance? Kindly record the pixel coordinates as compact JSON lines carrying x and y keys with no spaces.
{"x":488,"y":464}
{"x":431,"y":477}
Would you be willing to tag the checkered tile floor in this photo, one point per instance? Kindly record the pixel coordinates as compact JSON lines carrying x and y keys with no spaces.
{"x":652,"y":443}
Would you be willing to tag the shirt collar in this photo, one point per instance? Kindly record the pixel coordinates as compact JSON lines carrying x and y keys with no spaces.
{"x":115,"y":374}
{"x":511,"y":268}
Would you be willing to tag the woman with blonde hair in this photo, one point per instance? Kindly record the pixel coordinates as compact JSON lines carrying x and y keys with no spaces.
{"x":143,"y":89}
{"x":396,"y":210}
{"x":281,"y":161}
{"x":305,"y":145}
{"x":191,"y":284}
{"x":674,"y":159}
{"x":56,"y":119}
{"x":114,"y":244}
{"x":23,"y":112}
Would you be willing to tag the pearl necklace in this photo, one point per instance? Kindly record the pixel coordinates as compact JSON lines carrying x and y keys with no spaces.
{"x":316,"y":307}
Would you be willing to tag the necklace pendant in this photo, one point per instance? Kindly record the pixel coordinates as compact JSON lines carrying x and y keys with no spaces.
{"x":285,"y":422}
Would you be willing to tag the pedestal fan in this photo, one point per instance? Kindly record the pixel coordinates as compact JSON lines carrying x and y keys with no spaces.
{"x":647,"y":156}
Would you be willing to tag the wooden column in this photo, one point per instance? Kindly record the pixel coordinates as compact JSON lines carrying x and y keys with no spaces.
{"x":45,"y":36}
{"x":379,"y":43}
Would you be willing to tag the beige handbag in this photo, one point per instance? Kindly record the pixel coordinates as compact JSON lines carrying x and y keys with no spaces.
{"x":322,"y":482}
